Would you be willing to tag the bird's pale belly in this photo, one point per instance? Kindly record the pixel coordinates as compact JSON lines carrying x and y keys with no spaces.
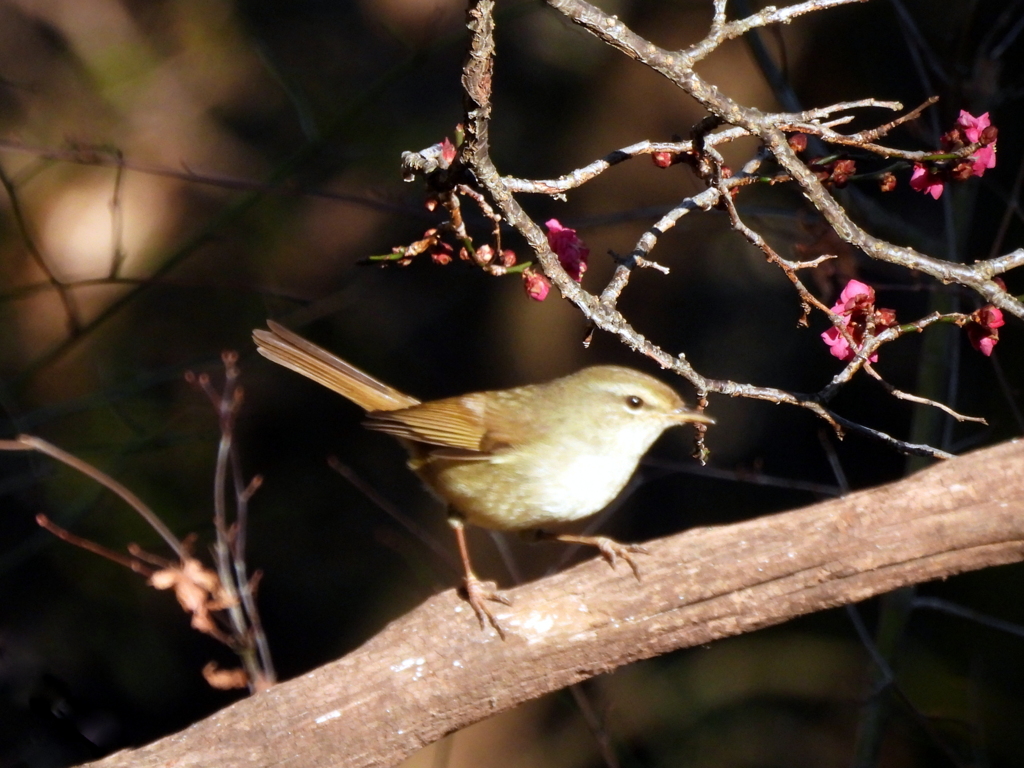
{"x":527,"y":496}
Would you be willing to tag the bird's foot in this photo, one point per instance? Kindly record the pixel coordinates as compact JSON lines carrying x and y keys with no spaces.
{"x":611,"y":550}
{"x":477,"y":594}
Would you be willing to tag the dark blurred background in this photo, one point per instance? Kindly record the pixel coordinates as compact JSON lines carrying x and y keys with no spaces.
{"x":314,"y":101}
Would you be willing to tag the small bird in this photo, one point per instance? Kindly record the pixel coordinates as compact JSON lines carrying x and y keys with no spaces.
{"x":512,"y":459}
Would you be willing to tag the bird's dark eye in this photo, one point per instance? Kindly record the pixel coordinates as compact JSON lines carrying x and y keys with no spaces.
{"x":634,"y":403}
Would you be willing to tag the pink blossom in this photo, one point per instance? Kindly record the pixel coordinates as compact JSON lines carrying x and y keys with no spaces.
{"x":838,"y":346}
{"x":924,"y":181}
{"x":967,"y":130}
{"x":972,"y":126}
{"x":974,"y":130}
{"x":984,"y":159}
{"x":571,"y":251}
{"x":853,"y":294}
{"x":856,"y":306}
{"x":536,"y":285}
{"x":982,"y":329}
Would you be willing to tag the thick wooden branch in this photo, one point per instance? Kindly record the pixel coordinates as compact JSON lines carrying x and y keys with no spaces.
{"x":434,"y":671}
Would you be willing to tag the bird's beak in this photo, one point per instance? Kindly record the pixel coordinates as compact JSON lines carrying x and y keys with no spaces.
{"x":689,"y":416}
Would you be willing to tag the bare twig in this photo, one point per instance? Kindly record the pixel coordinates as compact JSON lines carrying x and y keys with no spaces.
{"x":90,"y":546}
{"x":250,"y":641}
{"x":677,"y":66}
{"x":901,"y":395}
{"x":32,"y":443}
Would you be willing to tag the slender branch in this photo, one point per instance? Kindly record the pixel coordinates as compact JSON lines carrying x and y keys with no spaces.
{"x":250,"y":642}
{"x":703,"y":201}
{"x":580,"y":176}
{"x":977,"y":617}
{"x":31,"y":443}
{"x":91,"y":546}
{"x":408,"y":523}
{"x":678,"y":68}
{"x":474,"y":154}
{"x":901,"y":395}
{"x":903,"y":446}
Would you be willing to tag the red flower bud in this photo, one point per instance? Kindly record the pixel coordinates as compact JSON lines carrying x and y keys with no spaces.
{"x":536,"y":285}
{"x":885,"y":318}
{"x":572,"y":252}
{"x":483,"y":255}
{"x":663,"y":159}
{"x":441,"y":253}
{"x":845,"y":167}
{"x":447,"y":152}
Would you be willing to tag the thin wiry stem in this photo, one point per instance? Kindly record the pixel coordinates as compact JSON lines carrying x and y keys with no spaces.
{"x":32,"y":443}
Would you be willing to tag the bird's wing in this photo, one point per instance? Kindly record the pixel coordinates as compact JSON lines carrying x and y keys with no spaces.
{"x":453,"y":423}
{"x":471,"y":426}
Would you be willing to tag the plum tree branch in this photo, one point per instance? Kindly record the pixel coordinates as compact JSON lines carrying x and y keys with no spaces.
{"x":677,"y":66}
{"x":434,"y":671}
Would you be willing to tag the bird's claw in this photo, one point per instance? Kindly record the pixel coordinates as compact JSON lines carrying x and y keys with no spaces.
{"x":612,"y":550}
{"x":477,"y":594}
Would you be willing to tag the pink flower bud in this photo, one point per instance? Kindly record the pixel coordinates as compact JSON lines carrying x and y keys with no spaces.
{"x":484,"y":254}
{"x":536,"y":285}
{"x":571,"y":251}
{"x":447,"y":152}
{"x":663,"y":159}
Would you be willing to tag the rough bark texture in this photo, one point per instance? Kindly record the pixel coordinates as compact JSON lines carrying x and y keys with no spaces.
{"x":434,"y":671}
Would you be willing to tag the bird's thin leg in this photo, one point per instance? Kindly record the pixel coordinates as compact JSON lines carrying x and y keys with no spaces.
{"x":477,"y":592}
{"x":610,"y":549}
